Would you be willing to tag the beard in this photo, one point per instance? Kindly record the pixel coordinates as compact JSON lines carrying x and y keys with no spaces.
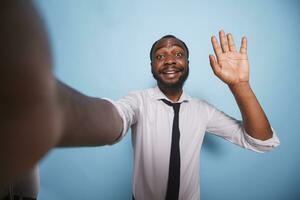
{"x":173,"y":86}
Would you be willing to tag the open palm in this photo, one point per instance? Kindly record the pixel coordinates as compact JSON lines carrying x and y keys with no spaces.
{"x":230,"y":66}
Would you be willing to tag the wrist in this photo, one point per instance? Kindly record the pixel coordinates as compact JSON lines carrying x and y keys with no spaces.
{"x":241,"y":87}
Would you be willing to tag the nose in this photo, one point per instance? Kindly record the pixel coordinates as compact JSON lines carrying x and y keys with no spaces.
{"x":169,"y":60}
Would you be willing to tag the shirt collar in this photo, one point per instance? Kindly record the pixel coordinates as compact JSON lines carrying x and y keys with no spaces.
{"x":158,"y":95}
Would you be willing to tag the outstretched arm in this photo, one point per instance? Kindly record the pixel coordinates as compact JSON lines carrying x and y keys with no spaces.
{"x":36,"y":111}
{"x":29,"y":114}
{"x":87,"y":121}
{"x":232,"y":67}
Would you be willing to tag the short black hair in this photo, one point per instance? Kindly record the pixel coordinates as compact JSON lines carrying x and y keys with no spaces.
{"x":168,"y":36}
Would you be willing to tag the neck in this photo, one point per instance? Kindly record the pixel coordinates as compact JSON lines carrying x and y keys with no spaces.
{"x":172,"y":93}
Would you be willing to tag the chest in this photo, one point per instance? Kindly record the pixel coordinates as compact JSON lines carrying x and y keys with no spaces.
{"x":156,"y":121}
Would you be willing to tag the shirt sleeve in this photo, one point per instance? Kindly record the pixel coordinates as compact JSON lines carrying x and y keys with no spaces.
{"x":227,"y":127}
{"x":128,"y":109}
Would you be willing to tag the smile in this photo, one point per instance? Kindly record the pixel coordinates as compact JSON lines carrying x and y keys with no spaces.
{"x":171,"y":73}
{"x":171,"y":70}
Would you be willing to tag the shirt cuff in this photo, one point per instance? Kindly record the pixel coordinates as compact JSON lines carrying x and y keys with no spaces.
{"x":262,"y":146}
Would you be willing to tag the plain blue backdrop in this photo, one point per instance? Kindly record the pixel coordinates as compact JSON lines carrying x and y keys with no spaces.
{"x":101,"y":48}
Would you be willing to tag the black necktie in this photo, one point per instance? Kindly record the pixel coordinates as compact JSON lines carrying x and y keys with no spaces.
{"x":174,"y":167}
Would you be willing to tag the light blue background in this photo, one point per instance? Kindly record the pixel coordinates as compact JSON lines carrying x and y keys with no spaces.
{"x":102,"y":49}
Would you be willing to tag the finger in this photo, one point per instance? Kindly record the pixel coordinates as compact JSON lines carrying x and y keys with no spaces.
{"x":214,"y":65}
{"x":217,"y":49}
{"x":224,"y":42}
{"x":231,"y":43}
{"x":243,"y":48}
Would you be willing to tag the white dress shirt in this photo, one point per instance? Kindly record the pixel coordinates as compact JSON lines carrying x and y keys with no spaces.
{"x":151,"y":122}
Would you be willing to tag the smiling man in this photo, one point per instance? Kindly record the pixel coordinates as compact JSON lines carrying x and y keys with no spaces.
{"x":168,"y":125}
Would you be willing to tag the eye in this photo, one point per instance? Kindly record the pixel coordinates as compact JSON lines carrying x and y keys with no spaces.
{"x":160,"y":56}
{"x":179,"y":54}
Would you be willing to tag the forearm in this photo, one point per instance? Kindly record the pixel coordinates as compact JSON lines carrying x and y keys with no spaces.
{"x":255,"y":121}
{"x":87,"y":121}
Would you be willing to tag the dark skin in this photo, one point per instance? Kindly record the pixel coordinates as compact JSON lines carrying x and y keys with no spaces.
{"x":170,"y":64}
{"x":37,"y":112}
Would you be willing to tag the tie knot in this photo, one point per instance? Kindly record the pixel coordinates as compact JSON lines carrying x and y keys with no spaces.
{"x":176,"y":106}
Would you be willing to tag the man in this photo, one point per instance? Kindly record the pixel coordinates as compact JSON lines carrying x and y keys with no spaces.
{"x":168,"y":126}
{"x":39,"y":112}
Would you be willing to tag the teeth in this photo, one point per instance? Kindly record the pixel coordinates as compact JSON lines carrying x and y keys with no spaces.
{"x":170,"y":72}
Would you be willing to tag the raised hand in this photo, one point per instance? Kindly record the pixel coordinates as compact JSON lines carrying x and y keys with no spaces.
{"x":230,"y":66}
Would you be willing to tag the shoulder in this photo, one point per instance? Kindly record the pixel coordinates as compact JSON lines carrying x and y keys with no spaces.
{"x":148,"y":93}
{"x":140,"y":93}
{"x":198,"y":101}
{"x":136,"y":97}
{"x":201,"y":104}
